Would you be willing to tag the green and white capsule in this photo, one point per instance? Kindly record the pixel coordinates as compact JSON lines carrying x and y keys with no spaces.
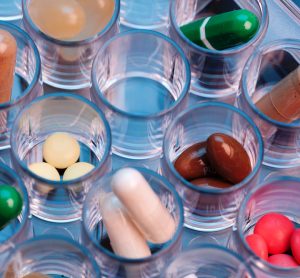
{"x":222,"y":31}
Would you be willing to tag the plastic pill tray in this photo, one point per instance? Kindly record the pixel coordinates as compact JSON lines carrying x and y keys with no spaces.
{"x":284,"y":25}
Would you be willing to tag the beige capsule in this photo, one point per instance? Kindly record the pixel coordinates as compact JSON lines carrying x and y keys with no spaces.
{"x":143,"y":205}
{"x":125,"y":238}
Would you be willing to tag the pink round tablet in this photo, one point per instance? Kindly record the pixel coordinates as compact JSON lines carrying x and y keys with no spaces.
{"x":258,"y":245}
{"x":283,"y":260}
{"x":295,"y":245}
{"x":277,"y":230}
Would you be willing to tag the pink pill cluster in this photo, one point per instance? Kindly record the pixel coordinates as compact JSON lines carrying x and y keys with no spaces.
{"x":276,"y":240}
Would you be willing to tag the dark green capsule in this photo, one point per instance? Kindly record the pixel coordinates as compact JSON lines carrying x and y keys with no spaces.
{"x":222,"y":31}
{"x":10,"y":204}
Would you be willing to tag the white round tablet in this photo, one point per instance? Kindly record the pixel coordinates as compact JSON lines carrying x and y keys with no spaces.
{"x":45,"y":171}
{"x":61,"y":150}
{"x":77,"y":170}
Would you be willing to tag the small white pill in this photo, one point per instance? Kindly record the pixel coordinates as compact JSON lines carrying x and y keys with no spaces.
{"x":77,"y":170}
{"x":143,"y":205}
{"x":61,"y":150}
{"x":45,"y":171}
{"x":125,"y":238}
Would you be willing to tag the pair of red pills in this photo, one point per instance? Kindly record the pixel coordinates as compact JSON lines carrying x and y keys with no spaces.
{"x":276,"y":240}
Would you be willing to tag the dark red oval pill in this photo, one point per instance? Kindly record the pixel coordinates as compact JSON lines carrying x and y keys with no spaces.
{"x":228,"y":157}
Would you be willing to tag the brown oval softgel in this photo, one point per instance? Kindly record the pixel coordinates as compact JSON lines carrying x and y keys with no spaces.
{"x":193,"y":163}
{"x":211,"y":182}
{"x":228,"y":157}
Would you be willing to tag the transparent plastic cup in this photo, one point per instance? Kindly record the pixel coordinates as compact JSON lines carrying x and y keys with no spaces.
{"x":145,"y":14}
{"x":211,"y":209}
{"x":10,"y":10}
{"x":67,"y":64}
{"x":94,"y":232}
{"x":54,"y":256}
{"x":140,"y":80}
{"x":280,"y":195}
{"x":215,"y":74}
{"x":60,"y":201}
{"x":268,"y":65}
{"x":207,"y":260}
{"x":18,"y":229}
{"x":27,"y":81}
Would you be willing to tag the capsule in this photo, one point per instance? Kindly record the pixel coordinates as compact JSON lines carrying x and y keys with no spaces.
{"x":222,"y":31}
{"x":282,"y":103}
{"x":8,"y":52}
{"x":143,"y":205}
{"x":125,"y":238}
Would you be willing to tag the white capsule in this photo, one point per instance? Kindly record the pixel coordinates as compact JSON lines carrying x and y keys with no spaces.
{"x":125,"y":238}
{"x":143,"y":205}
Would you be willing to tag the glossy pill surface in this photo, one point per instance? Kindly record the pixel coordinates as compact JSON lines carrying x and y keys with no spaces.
{"x":211,"y":182}
{"x":143,"y":205}
{"x":60,"y":19}
{"x":192,"y":163}
{"x":283,"y":260}
{"x":258,"y":245}
{"x":45,"y":171}
{"x":8,"y":52}
{"x":295,"y":245}
{"x":77,"y":170}
{"x":277,"y":230}
{"x":222,"y":31}
{"x":228,"y":157}
{"x":10,"y":204}
{"x":61,"y":150}
{"x":125,"y":238}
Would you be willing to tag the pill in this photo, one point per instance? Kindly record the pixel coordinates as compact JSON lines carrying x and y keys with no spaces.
{"x":282,"y":103}
{"x":35,"y":275}
{"x":11,"y":204}
{"x":8,"y":52}
{"x":228,"y":157}
{"x":60,"y":19}
{"x":211,"y":182}
{"x":143,"y":205}
{"x":277,"y":230}
{"x":295,"y":245}
{"x":283,"y":260}
{"x":45,"y":171}
{"x":222,"y":31}
{"x":61,"y":150}
{"x":98,"y":14}
{"x":192,"y":163}
{"x":258,"y":245}
{"x":125,"y":238}
{"x":77,"y":170}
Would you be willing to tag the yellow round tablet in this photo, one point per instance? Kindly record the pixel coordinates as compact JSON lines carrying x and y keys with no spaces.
{"x":77,"y":170}
{"x":61,"y":150}
{"x":45,"y":171}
